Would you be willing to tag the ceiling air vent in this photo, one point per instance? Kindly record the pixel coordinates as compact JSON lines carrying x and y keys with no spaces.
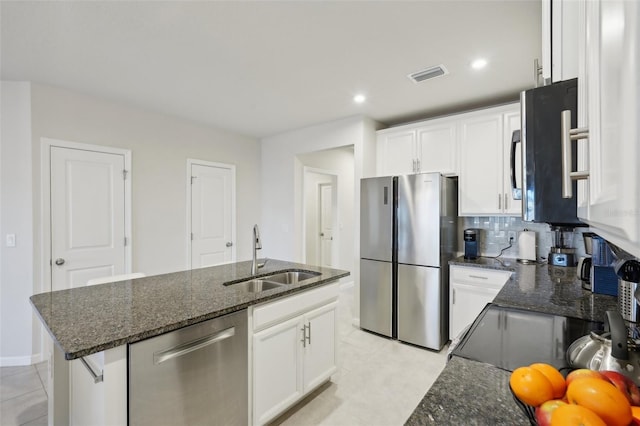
{"x":428,"y":73}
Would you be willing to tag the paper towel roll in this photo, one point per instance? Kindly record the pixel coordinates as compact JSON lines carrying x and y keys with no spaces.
{"x":527,"y":245}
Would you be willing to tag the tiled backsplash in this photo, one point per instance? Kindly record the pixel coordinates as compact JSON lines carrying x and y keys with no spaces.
{"x":494,"y":235}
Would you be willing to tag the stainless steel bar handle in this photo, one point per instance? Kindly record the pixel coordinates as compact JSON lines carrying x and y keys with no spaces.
{"x":499,"y":201}
{"x":569,"y":135}
{"x":309,"y":335}
{"x":304,"y":336}
{"x":414,"y":165}
{"x":97,"y":378}
{"x":417,"y":165}
{"x":194,"y":345}
{"x":454,"y":296}
{"x":479,"y":277}
{"x":506,"y":201}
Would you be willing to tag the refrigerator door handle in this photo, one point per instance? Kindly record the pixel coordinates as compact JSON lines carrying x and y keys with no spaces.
{"x":386,"y":195}
{"x":516,"y":192}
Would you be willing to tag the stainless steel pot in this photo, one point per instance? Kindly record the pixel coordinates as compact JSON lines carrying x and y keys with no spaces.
{"x":608,"y":350}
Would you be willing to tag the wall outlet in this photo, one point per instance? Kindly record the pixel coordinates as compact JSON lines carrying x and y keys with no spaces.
{"x":513,"y":235}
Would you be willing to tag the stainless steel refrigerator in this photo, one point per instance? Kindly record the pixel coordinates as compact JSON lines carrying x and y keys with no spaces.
{"x":407,"y":236}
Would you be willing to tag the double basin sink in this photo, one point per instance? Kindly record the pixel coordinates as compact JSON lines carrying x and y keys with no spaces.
{"x":269,"y":282}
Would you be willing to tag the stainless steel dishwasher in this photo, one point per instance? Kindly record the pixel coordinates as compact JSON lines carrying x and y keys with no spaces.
{"x":196,"y":375}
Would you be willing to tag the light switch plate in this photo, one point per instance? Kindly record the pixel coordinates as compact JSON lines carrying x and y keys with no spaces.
{"x":11,"y":240}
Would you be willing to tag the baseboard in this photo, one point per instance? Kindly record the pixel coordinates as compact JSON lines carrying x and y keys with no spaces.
{"x":13,"y":361}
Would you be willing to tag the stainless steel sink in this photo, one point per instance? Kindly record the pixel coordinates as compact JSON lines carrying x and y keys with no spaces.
{"x":269,"y":282}
{"x":255,"y":285}
{"x":291,"y":277}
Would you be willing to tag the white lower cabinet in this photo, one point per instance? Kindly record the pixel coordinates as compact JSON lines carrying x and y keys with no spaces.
{"x":471,"y":289}
{"x":294,"y":349}
{"x":80,"y":397}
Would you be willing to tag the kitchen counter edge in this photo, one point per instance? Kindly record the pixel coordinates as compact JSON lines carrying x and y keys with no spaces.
{"x":86,"y":320}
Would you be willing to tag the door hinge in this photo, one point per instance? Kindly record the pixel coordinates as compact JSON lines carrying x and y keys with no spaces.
{"x":192,"y":178}
{"x":125,"y":241}
{"x":124,"y":174}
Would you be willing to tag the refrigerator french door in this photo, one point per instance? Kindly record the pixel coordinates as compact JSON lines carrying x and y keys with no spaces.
{"x":377,"y":255}
{"x":424,"y":201}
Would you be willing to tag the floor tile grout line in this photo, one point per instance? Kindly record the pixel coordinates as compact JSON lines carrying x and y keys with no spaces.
{"x":31,"y":421}
{"x":22,"y":395}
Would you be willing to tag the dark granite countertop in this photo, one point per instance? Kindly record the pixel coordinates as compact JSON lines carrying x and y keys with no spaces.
{"x":90,"y":319}
{"x":475,"y":393}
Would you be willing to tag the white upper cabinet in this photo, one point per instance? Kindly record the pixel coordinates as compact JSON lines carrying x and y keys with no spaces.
{"x":429,"y":146}
{"x":485,"y":167}
{"x":437,"y":147}
{"x":559,"y":40}
{"x":609,"y":106}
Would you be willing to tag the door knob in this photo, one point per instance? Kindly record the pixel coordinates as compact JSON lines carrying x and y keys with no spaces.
{"x":322,"y":234}
{"x":59,"y":261}
{"x":229,"y":244}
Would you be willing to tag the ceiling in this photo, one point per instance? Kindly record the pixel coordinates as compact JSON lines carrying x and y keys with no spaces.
{"x":262,"y":68}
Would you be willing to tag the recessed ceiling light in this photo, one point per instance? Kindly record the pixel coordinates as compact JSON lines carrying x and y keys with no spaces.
{"x":359,"y":98}
{"x":479,"y":64}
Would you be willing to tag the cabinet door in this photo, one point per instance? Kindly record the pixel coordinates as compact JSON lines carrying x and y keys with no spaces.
{"x":277,"y":369}
{"x":466,"y":303}
{"x":437,"y":149}
{"x":397,"y":153}
{"x":480,"y":183}
{"x":511,"y":206}
{"x":320,"y":348}
{"x":613,"y":50}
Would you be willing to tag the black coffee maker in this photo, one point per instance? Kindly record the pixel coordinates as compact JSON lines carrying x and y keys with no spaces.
{"x":471,"y":243}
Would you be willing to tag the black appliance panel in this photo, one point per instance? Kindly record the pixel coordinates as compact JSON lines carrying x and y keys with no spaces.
{"x":510,"y":338}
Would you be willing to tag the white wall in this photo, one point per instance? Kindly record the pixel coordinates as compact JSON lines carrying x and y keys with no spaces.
{"x":281,"y":183}
{"x":160,"y":147}
{"x":17,"y":339}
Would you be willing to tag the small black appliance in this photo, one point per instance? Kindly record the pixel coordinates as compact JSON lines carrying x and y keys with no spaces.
{"x":471,"y":243}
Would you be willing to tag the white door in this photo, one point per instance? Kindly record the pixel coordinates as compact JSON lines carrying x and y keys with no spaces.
{"x":87,"y":216}
{"x":211,"y":215}
{"x":326,"y":224}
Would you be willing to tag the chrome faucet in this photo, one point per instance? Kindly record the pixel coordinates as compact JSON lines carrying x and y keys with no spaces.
{"x":257,"y":245}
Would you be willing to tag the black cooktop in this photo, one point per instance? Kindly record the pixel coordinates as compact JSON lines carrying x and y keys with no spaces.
{"x":510,"y":338}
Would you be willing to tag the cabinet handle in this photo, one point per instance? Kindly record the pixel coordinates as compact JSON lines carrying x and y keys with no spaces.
{"x":568,"y":135}
{"x":96,"y":378}
{"x":185,"y":348}
{"x":418,"y":165}
{"x":479,"y":277}
{"x":413,"y":162}
{"x":454,"y":297}
{"x":304,"y":336}
{"x":506,"y":201}
{"x":499,"y":201}
{"x":309,"y":336}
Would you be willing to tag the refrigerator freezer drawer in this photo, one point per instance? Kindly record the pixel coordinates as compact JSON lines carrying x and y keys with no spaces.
{"x":376,"y":296}
{"x":422,"y":306}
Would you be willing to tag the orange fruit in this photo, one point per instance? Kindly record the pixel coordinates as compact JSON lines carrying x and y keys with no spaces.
{"x":575,"y":415}
{"x":530,"y":386}
{"x":555,"y":377}
{"x":603,"y":398}
{"x":635,"y":412}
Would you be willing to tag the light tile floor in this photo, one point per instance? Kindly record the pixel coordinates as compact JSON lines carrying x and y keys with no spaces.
{"x":379,"y":382}
{"x":23,"y":396}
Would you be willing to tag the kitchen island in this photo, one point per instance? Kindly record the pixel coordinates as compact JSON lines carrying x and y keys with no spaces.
{"x":476,"y":393}
{"x":107,"y":319}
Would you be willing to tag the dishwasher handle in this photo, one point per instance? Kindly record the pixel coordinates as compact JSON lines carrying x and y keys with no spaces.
{"x":194,"y":345}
